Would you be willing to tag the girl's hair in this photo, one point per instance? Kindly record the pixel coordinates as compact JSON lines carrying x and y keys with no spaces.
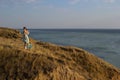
{"x":24,"y":28}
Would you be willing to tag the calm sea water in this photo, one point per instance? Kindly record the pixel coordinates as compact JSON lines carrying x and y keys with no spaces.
{"x":101,"y":42}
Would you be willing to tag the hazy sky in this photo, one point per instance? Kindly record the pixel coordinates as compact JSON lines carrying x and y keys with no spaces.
{"x":60,"y":13}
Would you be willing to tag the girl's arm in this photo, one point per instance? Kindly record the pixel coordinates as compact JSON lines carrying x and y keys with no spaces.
{"x":27,"y":32}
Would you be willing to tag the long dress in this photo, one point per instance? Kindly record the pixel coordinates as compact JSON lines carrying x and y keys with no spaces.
{"x":26,"y":38}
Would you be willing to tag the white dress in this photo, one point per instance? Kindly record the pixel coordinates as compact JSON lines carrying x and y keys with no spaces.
{"x":26,"y":38}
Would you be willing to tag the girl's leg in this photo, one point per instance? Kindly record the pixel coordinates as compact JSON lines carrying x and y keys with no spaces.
{"x":25,"y":45}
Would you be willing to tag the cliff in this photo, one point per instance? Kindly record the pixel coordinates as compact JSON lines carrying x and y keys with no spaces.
{"x":47,"y":61}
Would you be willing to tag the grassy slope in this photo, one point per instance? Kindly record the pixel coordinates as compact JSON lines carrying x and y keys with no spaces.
{"x":46,"y":61}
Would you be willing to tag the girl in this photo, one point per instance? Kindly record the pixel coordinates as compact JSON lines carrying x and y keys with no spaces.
{"x":25,"y":37}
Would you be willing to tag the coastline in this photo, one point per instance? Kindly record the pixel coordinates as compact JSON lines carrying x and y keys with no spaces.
{"x":47,"y":61}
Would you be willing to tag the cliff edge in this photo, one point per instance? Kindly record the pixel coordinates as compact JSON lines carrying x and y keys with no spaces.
{"x":47,"y":61}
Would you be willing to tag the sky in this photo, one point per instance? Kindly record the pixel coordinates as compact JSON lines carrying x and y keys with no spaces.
{"x":60,"y":14}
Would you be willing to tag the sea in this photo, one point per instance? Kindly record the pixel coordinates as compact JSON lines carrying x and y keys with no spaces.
{"x":104,"y":43}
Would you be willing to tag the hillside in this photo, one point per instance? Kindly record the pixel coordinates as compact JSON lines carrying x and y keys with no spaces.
{"x":47,"y":61}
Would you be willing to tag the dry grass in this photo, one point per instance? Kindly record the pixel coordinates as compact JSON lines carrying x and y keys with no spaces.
{"x":9,"y":33}
{"x":46,"y":61}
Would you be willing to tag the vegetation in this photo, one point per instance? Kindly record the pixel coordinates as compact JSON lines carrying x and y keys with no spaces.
{"x":46,"y":61}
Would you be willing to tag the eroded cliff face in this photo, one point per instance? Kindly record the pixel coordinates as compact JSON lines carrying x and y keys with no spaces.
{"x":46,"y":61}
